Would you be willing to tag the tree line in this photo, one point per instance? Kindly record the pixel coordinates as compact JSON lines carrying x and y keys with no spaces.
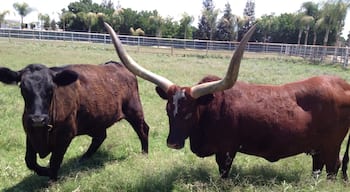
{"x":313,"y":24}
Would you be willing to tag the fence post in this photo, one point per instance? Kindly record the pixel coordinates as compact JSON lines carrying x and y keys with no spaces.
{"x":346,"y":58}
{"x":9,"y":35}
{"x":172,"y":47}
{"x":207,"y":48}
{"x":138,"y":44}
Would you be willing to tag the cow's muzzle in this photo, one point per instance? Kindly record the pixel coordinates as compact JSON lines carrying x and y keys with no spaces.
{"x":176,"y":145}
{"x":38,"y":120}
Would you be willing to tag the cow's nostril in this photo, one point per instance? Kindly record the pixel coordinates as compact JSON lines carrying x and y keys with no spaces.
{"x":38,"y":120}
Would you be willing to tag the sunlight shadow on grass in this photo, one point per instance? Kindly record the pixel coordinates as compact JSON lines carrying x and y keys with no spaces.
{"x":34,"y":182}
{"x":260,"y":175}
{"x":166,"y":181}
{"x":201,"y":179}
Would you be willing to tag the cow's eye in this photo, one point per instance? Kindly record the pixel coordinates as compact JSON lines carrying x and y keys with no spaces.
{"x":49,"y":91}
{"x":188,"y":116}
{"x":24,"y":90}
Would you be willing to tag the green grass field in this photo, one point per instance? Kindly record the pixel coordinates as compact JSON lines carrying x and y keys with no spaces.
{"x":119,"y":165}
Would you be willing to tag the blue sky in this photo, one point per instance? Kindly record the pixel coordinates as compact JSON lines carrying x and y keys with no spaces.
{"x":172,"y":8}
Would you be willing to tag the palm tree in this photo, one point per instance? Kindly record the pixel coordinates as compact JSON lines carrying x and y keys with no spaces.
{"x":309,"y":15}
{"x":240,"y":21}
{"x":117,"y":18}
{"x":316,"y":27}
{"x":66,"y":19}
{"x":88,"y":19}
{"x":207,"y":23}
{"x":333,"y":18}
{"x":307,"y":21}
{"x":266,"y":22}
{"x":157,"y":21}
{"x":225,"y":29}
{"x":185,"y":23}
{"x":23,"y":10}
{"x":212,"y":17}
{"x":304,"y":23}
{"x":44,"y":20}
{"x":298,"y":23}
{"x":2,"y":16}
{"x":91,"y":20}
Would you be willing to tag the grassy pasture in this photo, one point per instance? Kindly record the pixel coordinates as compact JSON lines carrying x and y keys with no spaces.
{"x":119,"y":165}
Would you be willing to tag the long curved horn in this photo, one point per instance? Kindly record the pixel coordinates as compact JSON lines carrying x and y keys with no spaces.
{"x":133,"y":66}
{"x":232,"y":72}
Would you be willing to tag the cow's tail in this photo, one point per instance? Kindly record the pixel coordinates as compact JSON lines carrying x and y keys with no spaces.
{"x":345,"y":161}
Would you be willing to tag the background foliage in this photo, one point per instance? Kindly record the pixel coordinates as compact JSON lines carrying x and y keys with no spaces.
{"x":314,"y":23}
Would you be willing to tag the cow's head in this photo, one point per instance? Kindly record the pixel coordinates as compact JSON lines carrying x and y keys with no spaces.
{"x":182,"y":111}
{"x":37,"y":84}
{"x":183,"y":102}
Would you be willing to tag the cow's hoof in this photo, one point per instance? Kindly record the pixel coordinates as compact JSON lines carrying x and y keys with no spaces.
{"x":52,"y":181}
{"x":331,"y":177}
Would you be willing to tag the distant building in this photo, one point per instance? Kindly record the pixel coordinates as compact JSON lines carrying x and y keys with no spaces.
{"x":11,"y":24}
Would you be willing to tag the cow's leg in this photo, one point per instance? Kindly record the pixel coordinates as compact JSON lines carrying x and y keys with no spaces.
{"x":224,"y":161}
{"x":317,"y":165}
{"x":136,"y":119}
{"x":141,"y":128}
{"x":345,"y":161}
{"x":31,"y":160}
{"x":57,"y":156}
{"x":332,"y":162}
{"x":95,"y":144}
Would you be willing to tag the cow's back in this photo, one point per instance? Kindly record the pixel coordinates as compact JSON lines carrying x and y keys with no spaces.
{"x":97,"y":98}
{"x":294,"y":118}
{"x":277,"y":121}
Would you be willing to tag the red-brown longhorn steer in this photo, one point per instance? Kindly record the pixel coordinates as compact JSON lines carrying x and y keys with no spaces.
{"x":222,"y":117}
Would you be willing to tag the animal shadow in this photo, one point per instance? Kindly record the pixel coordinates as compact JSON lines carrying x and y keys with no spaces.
{"x":168,"y":180}
{"x":261,"y":175}
{"x":203,"y":179}
{"x":33,"y":182}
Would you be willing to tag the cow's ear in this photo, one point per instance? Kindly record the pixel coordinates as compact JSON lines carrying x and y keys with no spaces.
{"x":205,"y":99}
{"x":8,"y":76}
{"x":65,"y":77}
{"x":161,"y":93}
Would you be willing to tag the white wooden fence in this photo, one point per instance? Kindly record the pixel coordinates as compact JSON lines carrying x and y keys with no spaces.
{"x":329,"y":54}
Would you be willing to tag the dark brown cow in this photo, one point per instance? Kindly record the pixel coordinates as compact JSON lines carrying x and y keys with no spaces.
{"x":222,"y":117}
{"x":61,"y":103}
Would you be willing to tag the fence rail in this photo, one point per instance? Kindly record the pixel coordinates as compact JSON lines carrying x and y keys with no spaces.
{"x":314,"y":53}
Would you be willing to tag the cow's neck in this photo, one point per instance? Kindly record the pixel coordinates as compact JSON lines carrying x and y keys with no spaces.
{"x":52,"y":110}
{"x":200,"y":139}
{"x":199,"y":142}
{"x":52,"y":116}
